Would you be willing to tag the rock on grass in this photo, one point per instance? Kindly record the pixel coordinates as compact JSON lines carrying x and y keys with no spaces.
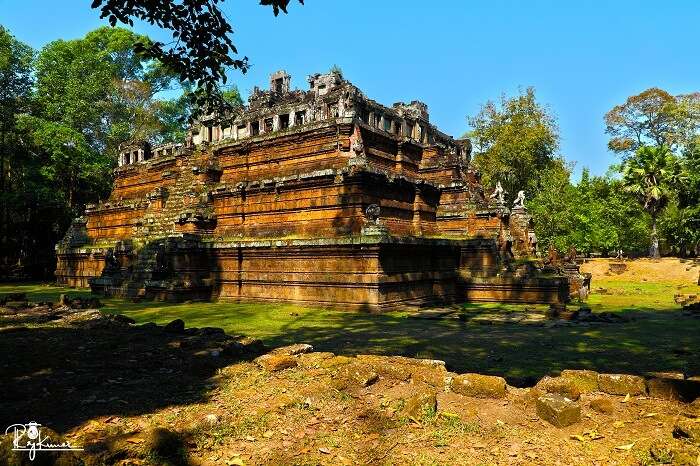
{"x":479,"y":386}
{"x":557,"y":410}
{"x":176,"y":326}
{"x":361,"y":373}
{"x":671,"y":386}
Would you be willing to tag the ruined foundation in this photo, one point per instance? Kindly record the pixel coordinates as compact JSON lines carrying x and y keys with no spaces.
{"x":321,"y":197}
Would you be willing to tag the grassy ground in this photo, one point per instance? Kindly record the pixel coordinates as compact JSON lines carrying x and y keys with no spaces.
{"x":658,"y":338}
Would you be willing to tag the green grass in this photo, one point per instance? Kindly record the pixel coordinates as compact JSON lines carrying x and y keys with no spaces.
{"x":658,"y":338}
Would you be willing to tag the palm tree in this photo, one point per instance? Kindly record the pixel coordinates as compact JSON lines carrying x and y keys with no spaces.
{"x":650,"y":176}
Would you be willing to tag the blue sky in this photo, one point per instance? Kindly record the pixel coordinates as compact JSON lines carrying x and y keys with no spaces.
{"x":582,"y":57}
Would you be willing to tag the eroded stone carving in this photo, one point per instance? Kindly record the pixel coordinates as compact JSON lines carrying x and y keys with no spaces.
{"x":519,"y":202}
{"x":372,"y":212}
{"x":498,"y":194}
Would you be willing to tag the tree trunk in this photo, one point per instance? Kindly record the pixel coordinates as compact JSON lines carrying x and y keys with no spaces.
{"x":654,"y":248}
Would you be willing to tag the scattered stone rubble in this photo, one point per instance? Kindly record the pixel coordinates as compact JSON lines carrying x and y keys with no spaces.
{"x":557,"y":399}
{"x":74,"y":312}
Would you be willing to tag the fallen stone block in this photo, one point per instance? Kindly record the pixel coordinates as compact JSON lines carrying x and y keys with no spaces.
{"x":252,"y":345}
{"x":211,"y":331}
{"x":622,"y":384}
{"x":275,"y":362}
{"x":233,"y":348}
{"x":299,"y":348}
{"x":419,"y":404}
{"x":314,"y":360}
{"x":692,"y":410}
{"x":148,"y":326}
{"x":558,"y":410}
{"x":336,"y":361}
{"x":123,"y":319}
{"x":561,"y":385}
{"x":479,"y":386}
{"x":602,"y":405}
{"x":361,"y":373}
{"x":529,"y":396}
{"x":15,"y":305}
{"x":390,"y":367}
{"x":431,"y":375}
{"x":672,"y":386}
{"x":585,"y":380}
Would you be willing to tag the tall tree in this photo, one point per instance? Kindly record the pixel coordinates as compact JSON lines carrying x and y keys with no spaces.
{"x":64,"y":115}
{"x":515,"y":141}
{"x":100,"y":87}
{"x":16,"y":61}
{"x":653,"y":118}
{"x":92,"y":94}
{"x":651,"y":175}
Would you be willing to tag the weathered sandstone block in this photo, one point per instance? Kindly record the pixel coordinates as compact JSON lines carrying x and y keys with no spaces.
{"x":276,"y":362}
{"x":602,"y":405}
{"x":299,"y":348}
{"x":622,"y":384}
{"x":585,"y":380}
{"x":479,"y":386}
{"x":419,"y":404}
{"x":558,"y":410}
{"x":561,"y":385}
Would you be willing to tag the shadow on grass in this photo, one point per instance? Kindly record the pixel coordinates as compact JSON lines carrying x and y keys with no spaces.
{"x":658,"y":338}
{"x":663,"y":341}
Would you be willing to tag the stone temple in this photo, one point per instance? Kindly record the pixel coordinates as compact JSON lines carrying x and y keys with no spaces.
{"x":321,"y":197}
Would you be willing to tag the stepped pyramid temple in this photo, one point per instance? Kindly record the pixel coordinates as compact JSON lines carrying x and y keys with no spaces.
{"x":321,"y":197}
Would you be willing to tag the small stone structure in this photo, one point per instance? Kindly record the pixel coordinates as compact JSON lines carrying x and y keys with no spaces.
{"x":321,"y":197}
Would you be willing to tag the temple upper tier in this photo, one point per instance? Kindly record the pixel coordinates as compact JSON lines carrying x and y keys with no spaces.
{"x":281,"y":109}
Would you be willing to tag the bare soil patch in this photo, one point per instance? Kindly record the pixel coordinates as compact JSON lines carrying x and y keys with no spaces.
{"x":665,"y":270}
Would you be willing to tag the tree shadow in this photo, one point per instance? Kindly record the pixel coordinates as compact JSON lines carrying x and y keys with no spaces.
{"x":64,"y":376}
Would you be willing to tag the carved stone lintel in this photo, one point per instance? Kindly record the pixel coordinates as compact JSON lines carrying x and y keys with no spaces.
{"x":357,"y":149}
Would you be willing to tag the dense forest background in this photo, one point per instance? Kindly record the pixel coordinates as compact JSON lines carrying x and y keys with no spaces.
{"x":65,"y":109}
{"x":648,"y":203}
